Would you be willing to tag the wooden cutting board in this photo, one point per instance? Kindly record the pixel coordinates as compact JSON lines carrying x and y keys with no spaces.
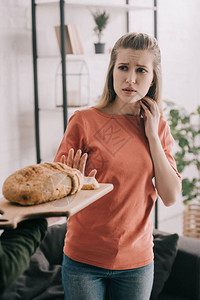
{"x":13,"y":213}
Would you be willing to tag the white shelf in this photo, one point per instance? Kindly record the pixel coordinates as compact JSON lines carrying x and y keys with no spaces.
{"x":90,"y":4}
{"x":60,"y":108}
{"x":67,"y":57}
{"x":75,"y":57}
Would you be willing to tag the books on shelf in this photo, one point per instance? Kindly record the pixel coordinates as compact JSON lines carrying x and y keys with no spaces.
{"x":73,"y":44}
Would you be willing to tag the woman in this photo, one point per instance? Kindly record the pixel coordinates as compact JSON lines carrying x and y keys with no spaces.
{"x":123,"y":141}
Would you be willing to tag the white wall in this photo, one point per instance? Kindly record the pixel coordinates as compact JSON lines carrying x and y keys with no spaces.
{"x":16,"y":88}
{"x":178,"y":34}
{"x":179,"y":38}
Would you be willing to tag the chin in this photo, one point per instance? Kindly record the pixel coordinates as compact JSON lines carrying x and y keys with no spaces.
{"x":130,"y":101}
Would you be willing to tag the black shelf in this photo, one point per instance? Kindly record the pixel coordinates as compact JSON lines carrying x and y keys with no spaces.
{"x":35,"y":58}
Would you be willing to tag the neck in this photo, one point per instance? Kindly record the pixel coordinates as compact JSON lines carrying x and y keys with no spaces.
{"x":125,"y":108}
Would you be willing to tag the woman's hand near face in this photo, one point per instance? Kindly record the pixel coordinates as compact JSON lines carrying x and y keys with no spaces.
{"x":151,"y":116}
{"x":77,"y":161}
{"x":167,"y":182}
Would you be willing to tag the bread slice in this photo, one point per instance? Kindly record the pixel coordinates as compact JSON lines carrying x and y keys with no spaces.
{"x":90,"y":183}
{"x":77,"y":177}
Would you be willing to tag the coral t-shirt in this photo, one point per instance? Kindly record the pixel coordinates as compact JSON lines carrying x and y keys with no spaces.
{"x":115,"y":232}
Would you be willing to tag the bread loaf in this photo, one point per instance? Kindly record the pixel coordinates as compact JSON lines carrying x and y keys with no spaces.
{"x":44,"y":182}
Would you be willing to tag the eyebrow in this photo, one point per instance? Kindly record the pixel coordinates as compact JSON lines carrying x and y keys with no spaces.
{"x":138,"y":65}
{"x":123,"y":63}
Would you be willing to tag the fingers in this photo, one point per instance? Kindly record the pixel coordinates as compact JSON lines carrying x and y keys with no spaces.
{"x":149,"y":106}
{"x":151,"y":116}
{"x":62,"y":160}
{"x":147,"y":103}
{"x":146,"y":110}
{"x":92,"y":173}
{"x":70,"y":158}
{"x":77,"y":161}
{"x":77,"y":158}
{"x":82,"y":163}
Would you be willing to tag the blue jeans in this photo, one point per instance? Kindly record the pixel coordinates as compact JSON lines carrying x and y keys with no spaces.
{"x":86,"y":282}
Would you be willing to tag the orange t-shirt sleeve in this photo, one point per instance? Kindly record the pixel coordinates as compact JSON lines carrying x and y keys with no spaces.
{"x":73,"y":137}
{"x":168,"y":142}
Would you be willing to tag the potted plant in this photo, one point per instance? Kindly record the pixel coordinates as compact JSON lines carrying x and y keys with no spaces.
{"x":185,"y":128}
{"x":101,"y":19}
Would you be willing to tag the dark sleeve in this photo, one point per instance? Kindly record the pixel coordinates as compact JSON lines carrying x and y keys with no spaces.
{"x":16,"y":248}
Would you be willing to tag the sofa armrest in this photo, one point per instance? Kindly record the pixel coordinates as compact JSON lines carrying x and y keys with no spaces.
{"x":184,"y":279}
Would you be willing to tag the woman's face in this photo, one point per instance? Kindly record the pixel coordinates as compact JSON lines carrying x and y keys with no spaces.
{"x":132,"y":74}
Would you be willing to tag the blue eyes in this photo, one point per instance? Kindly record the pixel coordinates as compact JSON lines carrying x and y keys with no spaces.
{"x":141,"y":70}
{"x":138,"y":70}
{"x":123,"y":68}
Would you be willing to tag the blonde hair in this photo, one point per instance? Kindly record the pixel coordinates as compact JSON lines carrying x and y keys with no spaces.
{"x":135,"y":41}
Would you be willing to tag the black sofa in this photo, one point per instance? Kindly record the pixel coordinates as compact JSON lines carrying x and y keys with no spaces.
{"x":184,"y":279}
{"x":177,"y":269}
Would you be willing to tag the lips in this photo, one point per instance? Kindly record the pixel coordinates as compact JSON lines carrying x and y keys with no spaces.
{"x":128,"y":90}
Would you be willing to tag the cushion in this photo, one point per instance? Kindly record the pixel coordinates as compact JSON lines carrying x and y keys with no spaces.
{"x":165,"y":250}
{"x":170,"y":297}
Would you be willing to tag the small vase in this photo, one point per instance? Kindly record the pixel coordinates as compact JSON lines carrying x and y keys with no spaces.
{"x":99,"y":47}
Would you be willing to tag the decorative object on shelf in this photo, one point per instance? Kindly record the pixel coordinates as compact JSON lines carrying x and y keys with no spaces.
{"x":191,"y":220}
{"x":101,"y":20}
{"x":72,"y":38}
{"x":77,"y":83}
{"x":185,"y":128}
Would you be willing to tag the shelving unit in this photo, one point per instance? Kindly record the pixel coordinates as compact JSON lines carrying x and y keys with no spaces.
{"x":103,"y":4}
{"x":78,"y":83}
{"x":62,"y":4}
{"x":126,"y":8}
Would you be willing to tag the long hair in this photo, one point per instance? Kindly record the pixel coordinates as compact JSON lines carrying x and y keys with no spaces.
{"x":135,"y":41}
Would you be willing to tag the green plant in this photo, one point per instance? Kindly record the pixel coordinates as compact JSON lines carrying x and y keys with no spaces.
{"x":185,"y":128}
{"x":101,"y":20}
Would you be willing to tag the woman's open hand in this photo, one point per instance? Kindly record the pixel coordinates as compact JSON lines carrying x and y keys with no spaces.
{"x":151,"y":116}
{"x":77,"y":161}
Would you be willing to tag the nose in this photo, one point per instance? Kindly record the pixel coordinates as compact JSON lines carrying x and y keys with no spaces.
{"x":131,"y":77}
